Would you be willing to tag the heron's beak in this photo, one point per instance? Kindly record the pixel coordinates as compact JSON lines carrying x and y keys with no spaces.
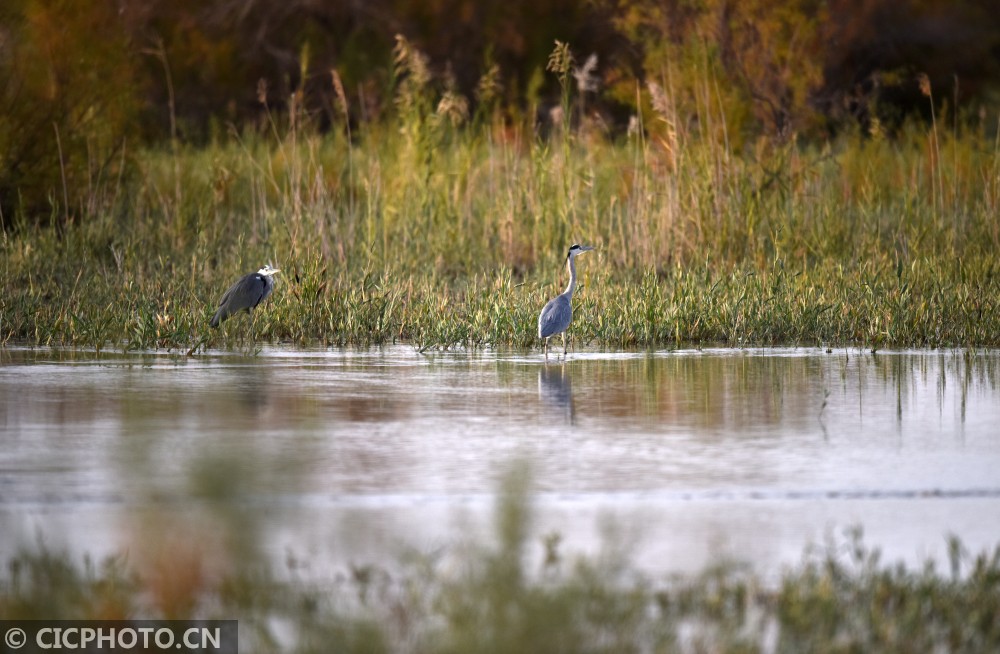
{"x":586,"y":248}
{"x":273,"y":271}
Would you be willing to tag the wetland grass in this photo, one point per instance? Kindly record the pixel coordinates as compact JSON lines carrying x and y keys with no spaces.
{"x":876,"y":303}
{"x":432,"y":231}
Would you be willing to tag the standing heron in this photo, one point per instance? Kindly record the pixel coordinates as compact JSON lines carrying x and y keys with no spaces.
{"x":558,"y":313}
{"x":246,"y":293}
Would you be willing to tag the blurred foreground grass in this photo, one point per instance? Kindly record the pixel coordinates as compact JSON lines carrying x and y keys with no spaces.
{"x":512,"y":594}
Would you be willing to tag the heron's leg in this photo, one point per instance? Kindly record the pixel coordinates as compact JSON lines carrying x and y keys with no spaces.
{"x":564,"y":344}
{"x":252,"y":331}
{"x":546,"y":341}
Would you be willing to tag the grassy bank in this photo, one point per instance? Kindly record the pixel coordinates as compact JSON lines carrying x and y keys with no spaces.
{"x":515,"y":594}
{"x":930,"y":303}
{"x":421,"y":231}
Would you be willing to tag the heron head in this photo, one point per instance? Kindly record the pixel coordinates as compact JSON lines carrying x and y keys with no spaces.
{"x":267,"y":270}
{"x":576,"y":249}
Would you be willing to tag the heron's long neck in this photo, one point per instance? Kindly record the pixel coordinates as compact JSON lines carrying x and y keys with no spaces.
{"x":572,"y":277}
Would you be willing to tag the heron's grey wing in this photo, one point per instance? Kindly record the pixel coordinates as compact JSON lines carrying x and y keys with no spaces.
{"x":224,"y":310}
{"x":244,"y":294}
{"x":229,"y":292}
{"x":248,"y":292}
{"x":555,"y":317}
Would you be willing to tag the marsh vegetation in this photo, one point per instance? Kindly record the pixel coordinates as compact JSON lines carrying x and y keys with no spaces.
{"x":443,"y":219}
{"x":421,"y":231}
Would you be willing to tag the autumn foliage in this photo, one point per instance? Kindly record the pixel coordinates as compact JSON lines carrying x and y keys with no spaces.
{"x":83,"y":81}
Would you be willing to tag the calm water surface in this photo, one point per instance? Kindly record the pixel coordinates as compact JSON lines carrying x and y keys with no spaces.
{"x":350,"y":456}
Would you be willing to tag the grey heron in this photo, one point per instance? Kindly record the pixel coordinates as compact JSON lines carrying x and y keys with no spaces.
{"x":558,"y":313}
{"x":249,"y":291}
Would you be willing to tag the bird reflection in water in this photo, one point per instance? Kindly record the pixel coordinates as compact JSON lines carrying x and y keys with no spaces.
{"x":555,"y":390}
{"x":248,"y":384}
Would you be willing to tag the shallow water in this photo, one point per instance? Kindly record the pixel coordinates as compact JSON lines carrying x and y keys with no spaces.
{"x":336,"y":456}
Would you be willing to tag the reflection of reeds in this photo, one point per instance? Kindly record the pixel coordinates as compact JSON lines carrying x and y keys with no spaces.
{"x":491,"y":596}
